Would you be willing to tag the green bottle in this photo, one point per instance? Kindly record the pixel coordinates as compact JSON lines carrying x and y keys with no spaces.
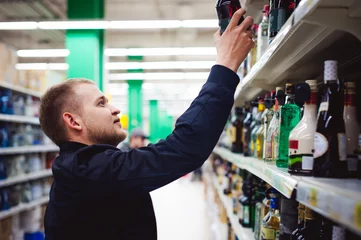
{"x":290,"y":116}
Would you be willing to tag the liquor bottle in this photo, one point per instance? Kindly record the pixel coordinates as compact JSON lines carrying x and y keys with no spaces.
{"x":311,"y":230}
{"x":269,"y":103}
{"x":288,"y":218}
{"x":253,"y":51}
{"x":225,"y":10}
{"x":326,"y":229}
{"x":271,"y":227}
{"x":352,"y":128}
{"x":280,"y":11}
{"x":237,"y":130}
{"x":258,"y":119}
{"x":260,"y":132}
{"x":257,"y":205}
{"x":229,"y":175}
{"x":289,"y":118}
{"x":330,"y":156}
{"x":237,"y":190}
{"x":262,"y":36}
{"x":301,"y":140}
{"x":300,"y":222}
{"x":338,"y":232}
{"x":246,"y":136}
{"x":273,"y":17}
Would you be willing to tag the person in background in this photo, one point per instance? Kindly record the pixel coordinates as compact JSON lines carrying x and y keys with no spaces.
{"x":137,"y":139}
{"x":101,"y":192}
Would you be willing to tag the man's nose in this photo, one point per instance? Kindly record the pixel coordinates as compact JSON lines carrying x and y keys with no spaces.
{"x":114,"y":110}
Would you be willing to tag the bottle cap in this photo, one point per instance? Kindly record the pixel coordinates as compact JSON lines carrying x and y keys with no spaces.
{"x":330,"y":73}
{"x":350,"y":85}
{"x":265,"y":9}
{"x":290,"y":88}
{"x":313,"y":84}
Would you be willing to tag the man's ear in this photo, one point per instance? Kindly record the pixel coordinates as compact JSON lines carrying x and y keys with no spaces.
{"x":72,"y":121}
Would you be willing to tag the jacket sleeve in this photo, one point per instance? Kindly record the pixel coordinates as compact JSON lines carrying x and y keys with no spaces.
{"x":185,"y":149}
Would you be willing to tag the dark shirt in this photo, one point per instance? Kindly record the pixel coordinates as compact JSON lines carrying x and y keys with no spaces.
{"x":101,"y":192}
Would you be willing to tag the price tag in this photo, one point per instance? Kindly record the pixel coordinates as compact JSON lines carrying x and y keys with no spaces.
{"x":357,"y":215}
{"x":313,"y":197}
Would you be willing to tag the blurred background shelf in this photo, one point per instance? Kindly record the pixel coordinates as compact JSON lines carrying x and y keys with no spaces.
{"x":19,"y":119}
{"x":26,"y":177}
{"x":29,"y":149}
{"x":20,"y":89}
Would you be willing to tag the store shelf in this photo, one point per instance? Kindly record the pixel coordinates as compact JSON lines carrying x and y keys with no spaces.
{"x":280,"y":179}
{"x":241,"y":232}
{"x":20,"y":89}
{"x":296,"y":52}
{"x":19,"y":119}
{"x":23,"y":207}
{"x":26,"y":177}
{"x":337,"y":199}
{"x":29,"y":149}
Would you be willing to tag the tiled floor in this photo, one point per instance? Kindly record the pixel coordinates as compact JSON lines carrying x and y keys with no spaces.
{"x":181,"y":211}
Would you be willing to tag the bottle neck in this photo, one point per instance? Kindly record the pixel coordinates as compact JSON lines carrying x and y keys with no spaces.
{"x":261,"y":107}
{"x":350,"y":99}
{"x":290,"y":99}
{"x":265,"y":17}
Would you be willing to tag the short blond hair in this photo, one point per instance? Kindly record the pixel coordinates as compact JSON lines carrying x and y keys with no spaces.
{"x":57,"y":100}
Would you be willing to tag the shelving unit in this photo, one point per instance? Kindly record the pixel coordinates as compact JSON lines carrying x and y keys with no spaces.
{"x":19,"y":119}
{"x":297,"y":52}
{"x":23,"y":207}
{"x":29,"y":149}
{"x":241,"y":232}
{"x":26,"y":177}
{"x":337,"y":199}
{"x":20,"y":89}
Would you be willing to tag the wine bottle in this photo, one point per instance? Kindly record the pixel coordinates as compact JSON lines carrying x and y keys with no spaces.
{"x":352,"y":128}
{"x":257,"y":125}
{"x":301,"y":140}
{"x":246,"y":135}
{"x":237,"y":130}
{"x":260,"y":132}
{"x":290,"y":116}
{"x":330,"y":157}
{"x":269,"y":103}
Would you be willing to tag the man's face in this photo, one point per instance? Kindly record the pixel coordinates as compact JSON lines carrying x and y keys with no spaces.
{"x":100,"y":119}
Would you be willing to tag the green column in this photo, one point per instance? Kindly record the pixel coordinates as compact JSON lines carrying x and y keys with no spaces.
{"x":154,"y":121}
{"x":86,"y":46}
{"x":135,"y":104}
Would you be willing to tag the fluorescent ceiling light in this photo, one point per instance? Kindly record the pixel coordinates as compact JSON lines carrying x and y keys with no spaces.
{"x":187,"y":51}
{"x":42,"y":66}
{"x":211,"y":23}
{"x":43,"y":53}
{"x":159,"y":65}
{"x":160,"y":76}
{"x":150,"y":24}
{"x":74,"y":25}
{"x":18,"y":25}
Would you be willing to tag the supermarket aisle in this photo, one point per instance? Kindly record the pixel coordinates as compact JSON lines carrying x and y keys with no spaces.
{"x":181,"y":211}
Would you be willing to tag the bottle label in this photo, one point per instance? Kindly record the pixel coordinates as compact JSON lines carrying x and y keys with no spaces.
{"x":268,"y":233}
{"x":246,"y":214}
{"x":342,"y":151}
{"x":321,"y":145}
{"x":234,"y":134}
{"x":323,"y":107}
{"x":275,"y":146}
{"x":258,"y":145}
{"x":293,"y":144}
{"x":307,"y":163}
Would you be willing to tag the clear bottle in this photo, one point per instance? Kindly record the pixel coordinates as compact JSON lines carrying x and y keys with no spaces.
{"x":260,"y":132}
{"x":269,"y":103}
{"x":262,"y":36}
{"x":301,"y":140}
{"x":271,"y":227}
{"x":330,"y":155}
{"x":258,"y":119}
{"x":289,"y":118}
{"x":271,"y":153}
{"x":352,"y":128}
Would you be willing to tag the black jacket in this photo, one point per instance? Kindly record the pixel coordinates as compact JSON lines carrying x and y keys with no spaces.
{"x":100,"y":192}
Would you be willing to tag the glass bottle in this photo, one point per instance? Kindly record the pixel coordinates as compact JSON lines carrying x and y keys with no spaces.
{"x":288,"y":218}
{"x":262,"y":36}
{"x":352,"y":128}
{"x":270,"y":153}
{"x":271,"y":227}
{"x":237,"y":130}
{"x":269,"y":103}
{"x":330,"y":156}
{"x":257,"y":126}
{"x":237,"y":190}
{"x":311,"y":230}
{"x":260,"y":132}
{"x":289,"y":118}
{"x":247,"y":129}
{"x":301,"y":140}
{"x":229,"y":175}
{"x":300,"y":222}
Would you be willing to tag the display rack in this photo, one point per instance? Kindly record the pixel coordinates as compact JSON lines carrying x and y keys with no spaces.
{"x":20,"y":89}
{"x":241,"y":232}
{"x":23,"y":207}
{"x":26,"y":177}
{"x":19,"y":119}
{"x":29,"y":149}
{"x":337,"y":199}
{"x":311,"y":28}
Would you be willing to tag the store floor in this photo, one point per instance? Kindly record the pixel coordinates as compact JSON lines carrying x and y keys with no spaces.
{"x":181,"y":211}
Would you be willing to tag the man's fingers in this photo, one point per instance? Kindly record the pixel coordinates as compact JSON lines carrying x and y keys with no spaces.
{"x":236,"y":17}
{"x":249,"y":33}
{"x":217,"y":35}
{"x":246,"y":24}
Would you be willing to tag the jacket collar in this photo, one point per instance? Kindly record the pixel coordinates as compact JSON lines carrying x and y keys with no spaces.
{"x":71,"y":146}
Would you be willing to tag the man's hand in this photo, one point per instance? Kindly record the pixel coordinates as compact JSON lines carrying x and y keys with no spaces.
{"x":235,"y":43}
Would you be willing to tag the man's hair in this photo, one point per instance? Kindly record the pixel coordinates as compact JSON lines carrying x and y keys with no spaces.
{"x":57,"y":100}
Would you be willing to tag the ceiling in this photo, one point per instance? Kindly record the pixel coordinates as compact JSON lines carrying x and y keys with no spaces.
{"x":174,"y":96}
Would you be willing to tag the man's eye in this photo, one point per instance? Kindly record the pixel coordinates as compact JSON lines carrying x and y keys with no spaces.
{"x":101,"y":103}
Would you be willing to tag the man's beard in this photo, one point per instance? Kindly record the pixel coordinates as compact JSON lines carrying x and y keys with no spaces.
{"x":102,"y":137}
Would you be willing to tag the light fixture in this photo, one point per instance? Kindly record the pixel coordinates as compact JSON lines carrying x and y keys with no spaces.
{"x":186,"y":51}
{"x":210,"y":23}
{"x":74,"y":25}
{"x":160,"y":76}
{"x":43,"y":53}
{"x":18,"y":25}
{"x":159,"y":65}
{"x":150,"y":24}
{"x":42,"y":66}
